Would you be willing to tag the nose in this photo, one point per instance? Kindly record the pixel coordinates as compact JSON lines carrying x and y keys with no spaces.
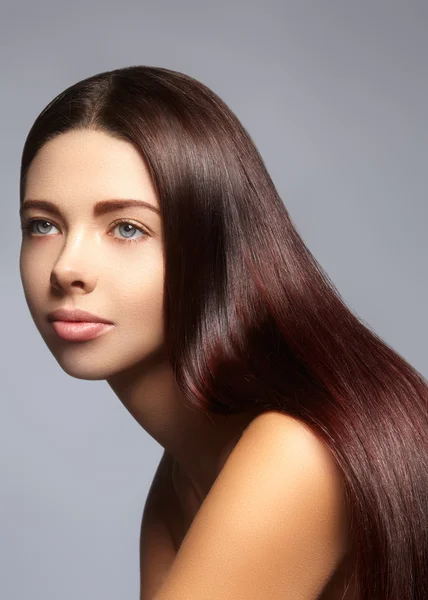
{"x":72,"y":271}
{"x":68,"y":280}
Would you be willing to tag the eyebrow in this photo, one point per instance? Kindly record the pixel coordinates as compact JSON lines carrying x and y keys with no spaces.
{"x":100,"y":208}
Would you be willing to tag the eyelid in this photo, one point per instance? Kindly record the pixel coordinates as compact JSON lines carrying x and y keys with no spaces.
{"x":26,"y":222}
{"x":27,"y":219}
{"x":131,"y":222}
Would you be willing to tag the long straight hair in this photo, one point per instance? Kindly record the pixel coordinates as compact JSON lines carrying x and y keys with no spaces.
{"x":252,"y":322}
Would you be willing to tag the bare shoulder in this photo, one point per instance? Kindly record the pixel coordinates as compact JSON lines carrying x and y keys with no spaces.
{"x":293,"y":436}
{"x":274,"y":523}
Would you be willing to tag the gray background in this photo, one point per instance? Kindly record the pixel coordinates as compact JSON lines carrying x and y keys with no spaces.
{"x":335,"y":95}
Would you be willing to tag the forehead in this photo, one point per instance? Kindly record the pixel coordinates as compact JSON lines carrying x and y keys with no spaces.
{"x":88,"y":164}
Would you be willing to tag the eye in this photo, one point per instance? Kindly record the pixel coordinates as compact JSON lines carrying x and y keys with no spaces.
{"x":132,"y":227}
{"x":42,"y":225}
{"x":27,"y":225}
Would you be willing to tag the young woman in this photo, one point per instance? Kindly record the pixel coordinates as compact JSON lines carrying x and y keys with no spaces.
{"x":295,"y":461}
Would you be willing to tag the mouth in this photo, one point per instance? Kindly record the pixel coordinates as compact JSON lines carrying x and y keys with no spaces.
{"x":80,"y":331}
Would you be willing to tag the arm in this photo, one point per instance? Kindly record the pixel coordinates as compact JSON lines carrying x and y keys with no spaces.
{"x":157,"y":550}
{"x":274,"y":524}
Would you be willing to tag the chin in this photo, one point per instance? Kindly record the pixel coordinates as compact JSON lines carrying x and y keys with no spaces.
{"x":91,"y":365}
{"x":88,"y":372}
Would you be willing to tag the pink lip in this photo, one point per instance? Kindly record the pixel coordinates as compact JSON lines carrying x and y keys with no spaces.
{"x":76,"y":315}
{"x":80,"y":331}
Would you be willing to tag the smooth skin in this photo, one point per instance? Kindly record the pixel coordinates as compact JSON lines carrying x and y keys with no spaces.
{"x":274,"y":524}
{"x":266,"y":518}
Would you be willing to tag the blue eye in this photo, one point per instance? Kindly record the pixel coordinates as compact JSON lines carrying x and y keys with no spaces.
{"x":27,"y":225}
{"x":133,"y":227}
{"x":27,"y":229}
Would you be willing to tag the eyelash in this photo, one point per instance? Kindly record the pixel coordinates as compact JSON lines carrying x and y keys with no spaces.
{"x":26,"y":225}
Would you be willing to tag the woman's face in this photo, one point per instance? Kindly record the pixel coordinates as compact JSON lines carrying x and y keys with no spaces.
{"x":74,"y":257}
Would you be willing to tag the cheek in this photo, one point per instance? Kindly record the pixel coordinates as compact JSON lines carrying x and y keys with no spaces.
{"x":139,"y":298}
{"x":31,"y":273}
{"x":35,"y":278}
{"x":33,"y":291}
{"x":141,"y":287}
{"x":142,"y":298}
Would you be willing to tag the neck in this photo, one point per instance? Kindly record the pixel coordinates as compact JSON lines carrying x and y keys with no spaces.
{"x":199,"y":443}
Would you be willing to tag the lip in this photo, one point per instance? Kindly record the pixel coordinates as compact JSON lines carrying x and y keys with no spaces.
{"x":80,"y":332}
{"x":77,"y":315}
